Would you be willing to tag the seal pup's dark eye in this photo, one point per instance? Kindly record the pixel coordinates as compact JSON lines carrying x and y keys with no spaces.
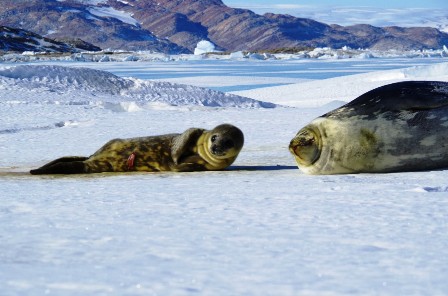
{"x":214,"y":138}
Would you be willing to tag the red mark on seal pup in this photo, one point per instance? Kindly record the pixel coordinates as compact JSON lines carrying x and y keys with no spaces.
{"x":130,"y":161}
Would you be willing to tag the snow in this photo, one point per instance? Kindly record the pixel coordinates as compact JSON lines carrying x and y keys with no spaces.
{"x":262,"y":227}
{"x":89,"y":2}
{"x":348,"y":88}
{"x":83,"y":86}
{"x":146,"y":56}
{"x":111,"y":12}
{"x":102,"y":11}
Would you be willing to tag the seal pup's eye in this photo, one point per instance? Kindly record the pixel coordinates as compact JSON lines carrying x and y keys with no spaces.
{"x":214,"y":138}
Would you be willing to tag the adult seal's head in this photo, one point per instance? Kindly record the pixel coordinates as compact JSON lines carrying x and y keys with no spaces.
{"x":394,"y":128}
{"x":221,"y":145}
{"x":306,"y":146}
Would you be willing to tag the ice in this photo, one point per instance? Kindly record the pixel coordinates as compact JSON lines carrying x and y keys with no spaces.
{"x":205,"y":50}
{"x":261,"y":227}
{"x":204,"y":46}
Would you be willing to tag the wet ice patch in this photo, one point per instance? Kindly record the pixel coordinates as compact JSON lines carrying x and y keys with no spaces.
{"x":19,"y":128}
{"x":431,"y":189}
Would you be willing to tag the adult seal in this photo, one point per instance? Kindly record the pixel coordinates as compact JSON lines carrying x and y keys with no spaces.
{"x":394,"y":128}
{"x":194,"y":150}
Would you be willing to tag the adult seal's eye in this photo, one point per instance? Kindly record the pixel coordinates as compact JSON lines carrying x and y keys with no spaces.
{"x":214,"y":138}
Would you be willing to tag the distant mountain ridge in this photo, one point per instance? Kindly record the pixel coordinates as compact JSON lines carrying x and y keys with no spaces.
{"x":176,"y":26}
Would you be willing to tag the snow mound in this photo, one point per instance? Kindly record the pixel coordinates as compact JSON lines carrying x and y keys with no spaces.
{"x":423,"y":72}
{"x":342,"y":89}
{"x":84,"y":86}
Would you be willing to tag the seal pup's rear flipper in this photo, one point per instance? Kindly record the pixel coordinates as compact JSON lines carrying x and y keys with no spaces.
{"x":63,"y":165}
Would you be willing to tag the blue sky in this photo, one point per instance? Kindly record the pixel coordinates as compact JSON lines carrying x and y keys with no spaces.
{"x":405,"y":13}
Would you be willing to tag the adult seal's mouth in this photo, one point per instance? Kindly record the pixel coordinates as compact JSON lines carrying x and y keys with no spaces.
{"x":306,"y":146}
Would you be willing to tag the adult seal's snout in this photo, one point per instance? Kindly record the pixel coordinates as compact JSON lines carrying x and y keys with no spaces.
{"x":306,"y":145}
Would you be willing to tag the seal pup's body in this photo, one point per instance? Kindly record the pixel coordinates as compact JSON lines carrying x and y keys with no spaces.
{"x":194,"y":150}
{"x":394,"y":128}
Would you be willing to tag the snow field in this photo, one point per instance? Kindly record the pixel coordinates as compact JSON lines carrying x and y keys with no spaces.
{"x":260,"y":228}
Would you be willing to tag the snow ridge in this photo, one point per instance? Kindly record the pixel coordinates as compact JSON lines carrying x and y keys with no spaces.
{"x":95,"y":87}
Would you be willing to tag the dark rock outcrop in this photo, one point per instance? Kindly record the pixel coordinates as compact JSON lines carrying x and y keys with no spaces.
{"x":17,"y":40}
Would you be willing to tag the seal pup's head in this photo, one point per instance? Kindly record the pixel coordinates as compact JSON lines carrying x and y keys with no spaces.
{"x":224,"y":141}
{"x":220,"y":146}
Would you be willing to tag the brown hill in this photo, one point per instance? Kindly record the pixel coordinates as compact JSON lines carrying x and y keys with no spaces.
{"x":178,"y":25}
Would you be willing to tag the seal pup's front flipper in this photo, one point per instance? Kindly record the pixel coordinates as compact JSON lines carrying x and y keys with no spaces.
{"x":63,"y":165}
{"x":182,"y":143}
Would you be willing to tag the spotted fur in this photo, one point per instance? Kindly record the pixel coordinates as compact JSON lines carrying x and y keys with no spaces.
{"x":194,"y":150}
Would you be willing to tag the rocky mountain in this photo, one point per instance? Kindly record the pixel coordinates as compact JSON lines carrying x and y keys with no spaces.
{"x":93,"y":21}
{"x":18,"y":40}
{"x":178,"y":25}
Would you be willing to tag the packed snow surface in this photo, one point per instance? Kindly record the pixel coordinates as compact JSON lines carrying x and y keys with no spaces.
{"x":261,"y":227}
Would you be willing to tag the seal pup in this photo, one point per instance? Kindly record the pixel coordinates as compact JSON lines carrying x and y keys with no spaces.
{"x":194,"y":150}
{"x":394,"y":128}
